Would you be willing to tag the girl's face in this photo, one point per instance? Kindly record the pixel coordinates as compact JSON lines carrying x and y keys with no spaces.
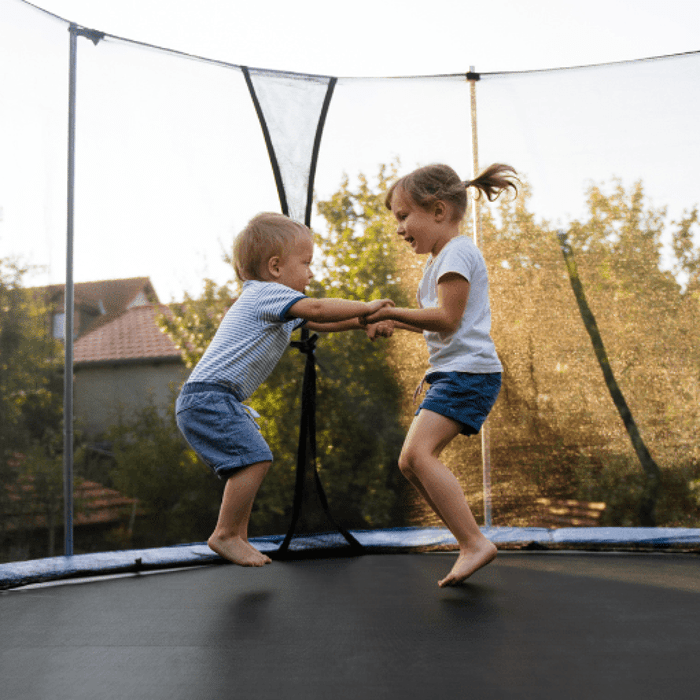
{"x":422,"y":229}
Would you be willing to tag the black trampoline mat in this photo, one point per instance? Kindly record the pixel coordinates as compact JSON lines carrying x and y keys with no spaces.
{"x":531,"y":625}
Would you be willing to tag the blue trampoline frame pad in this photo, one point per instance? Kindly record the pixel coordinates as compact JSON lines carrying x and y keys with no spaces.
{"x":17,"y":574}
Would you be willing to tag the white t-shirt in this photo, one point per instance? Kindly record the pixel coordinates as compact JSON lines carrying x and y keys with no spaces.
{"x":251,"y":339}
{"x":469,"y":348}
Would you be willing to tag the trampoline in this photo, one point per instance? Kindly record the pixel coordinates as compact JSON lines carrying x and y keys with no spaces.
{"x":536,"y":623}
{"x":548,"y":619}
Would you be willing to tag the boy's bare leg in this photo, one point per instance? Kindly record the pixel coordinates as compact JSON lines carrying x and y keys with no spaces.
{"x":230,"y":537}
{"x":429,"y":434}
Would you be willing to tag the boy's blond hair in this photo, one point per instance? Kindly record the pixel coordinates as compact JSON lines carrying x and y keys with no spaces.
{"x":266,"y":235}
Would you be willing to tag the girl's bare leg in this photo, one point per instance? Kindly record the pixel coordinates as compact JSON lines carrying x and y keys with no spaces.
{"x":230,"y":537}
{"x":429,"y":434}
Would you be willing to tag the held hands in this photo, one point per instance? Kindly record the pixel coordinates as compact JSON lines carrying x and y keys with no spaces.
{"x":377,"y":330}
{"x":384,"y":329}
{"x":372,"y":308}
{"x":377,"y":314}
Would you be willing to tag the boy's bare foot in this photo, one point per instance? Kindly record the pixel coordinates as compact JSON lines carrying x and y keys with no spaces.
{"x":238,"y":551}
{"x":468,"y":562}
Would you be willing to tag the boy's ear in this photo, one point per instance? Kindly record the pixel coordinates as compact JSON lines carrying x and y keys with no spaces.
{"x":273,"y":266}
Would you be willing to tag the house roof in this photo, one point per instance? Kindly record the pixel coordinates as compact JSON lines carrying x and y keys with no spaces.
{"x":134,"y":335}
{"x":95,"y":504}
{"x":107,"y":299}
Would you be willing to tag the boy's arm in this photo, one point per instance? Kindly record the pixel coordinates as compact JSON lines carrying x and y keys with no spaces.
{"x":352,"y":324}
{"x":327,"y":311}
{"x":383,"y":329}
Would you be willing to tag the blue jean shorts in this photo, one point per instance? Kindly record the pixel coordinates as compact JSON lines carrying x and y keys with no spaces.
{"x":219,"y":428}
{"x":463,"y":397}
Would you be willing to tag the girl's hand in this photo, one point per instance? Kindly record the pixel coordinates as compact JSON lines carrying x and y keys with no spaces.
{"x":377,"y":314}
{"x":372,"y":308}
{"x":385,"y":329}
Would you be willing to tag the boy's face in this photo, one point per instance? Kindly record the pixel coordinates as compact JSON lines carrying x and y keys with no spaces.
{"x":294,"y":267}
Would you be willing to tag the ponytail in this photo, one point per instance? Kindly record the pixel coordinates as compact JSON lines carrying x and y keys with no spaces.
{"x":440,"y":182}
{"x":492,"y":181}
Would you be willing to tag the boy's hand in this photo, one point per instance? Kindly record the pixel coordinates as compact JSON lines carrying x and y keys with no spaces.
{"x":372,"y":308}
{"x":384,"y":329}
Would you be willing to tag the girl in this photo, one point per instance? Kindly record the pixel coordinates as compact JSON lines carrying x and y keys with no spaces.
{"x":455,"y":318}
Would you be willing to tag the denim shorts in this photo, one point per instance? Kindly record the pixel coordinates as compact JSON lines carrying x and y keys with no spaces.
{"x":219,"y":428}
{"x":463,"y":397}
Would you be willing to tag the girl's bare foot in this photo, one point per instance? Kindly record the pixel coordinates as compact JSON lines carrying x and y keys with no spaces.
{"x":238,"y":551}
{"x":469,"y":561}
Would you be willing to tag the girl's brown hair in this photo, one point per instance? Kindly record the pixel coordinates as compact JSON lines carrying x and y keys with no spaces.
{"x":440,"y":182}
{"x":266,"y":235}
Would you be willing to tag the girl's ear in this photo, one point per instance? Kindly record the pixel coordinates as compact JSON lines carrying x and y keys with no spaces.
{"x":440,"y":210}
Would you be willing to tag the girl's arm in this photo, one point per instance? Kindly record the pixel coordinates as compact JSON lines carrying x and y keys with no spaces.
{"x":406,"y":327}
{"x":453,"y":293}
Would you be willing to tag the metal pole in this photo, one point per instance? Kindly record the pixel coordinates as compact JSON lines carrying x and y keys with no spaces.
{"x":69,"y":306}
{"x":476,"y":227}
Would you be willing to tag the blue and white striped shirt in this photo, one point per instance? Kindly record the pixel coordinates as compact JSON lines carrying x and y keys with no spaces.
{"x":251,"y":338}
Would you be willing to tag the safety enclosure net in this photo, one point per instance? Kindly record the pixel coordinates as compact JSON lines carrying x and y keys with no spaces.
{"x":597,"y":423}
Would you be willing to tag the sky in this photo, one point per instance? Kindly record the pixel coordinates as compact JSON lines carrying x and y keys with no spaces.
{"x":390,"y":38}
{"x":364,"y":39}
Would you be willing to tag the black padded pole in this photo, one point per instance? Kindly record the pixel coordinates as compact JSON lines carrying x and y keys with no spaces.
{"x":306,"y":453}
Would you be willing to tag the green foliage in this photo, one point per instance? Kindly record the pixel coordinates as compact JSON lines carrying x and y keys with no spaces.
{"x":357,"y":259}
{"x":686,"y":252}
{"x":31,"y":402}
{"x":30,"y":365}
{"x":192,"y":324}
{"x":554,"y":393}
{"x":177,"y":502}
{"x":618,"y":481}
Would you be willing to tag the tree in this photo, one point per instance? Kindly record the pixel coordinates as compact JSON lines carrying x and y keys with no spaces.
{"x":641,"y":312}
{"x":31,"y":391}
{"x":152,"y":464}
{"x":651,"y":491}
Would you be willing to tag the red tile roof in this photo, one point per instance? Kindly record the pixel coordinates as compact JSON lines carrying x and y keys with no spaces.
{"x":107,"y":299}
{"x":94,"y":504}
{"x":134,"y":335}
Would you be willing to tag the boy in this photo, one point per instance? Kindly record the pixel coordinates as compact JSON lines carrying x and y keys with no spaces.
{"x":272,"y":257}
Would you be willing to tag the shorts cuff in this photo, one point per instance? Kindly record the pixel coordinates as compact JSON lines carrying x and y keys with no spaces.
{"x":224,"y":471}
{"x":467,"y":428}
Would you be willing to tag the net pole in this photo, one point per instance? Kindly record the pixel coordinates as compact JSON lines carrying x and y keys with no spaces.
{"x":473,"y":77}
{"x":69,"y":300}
